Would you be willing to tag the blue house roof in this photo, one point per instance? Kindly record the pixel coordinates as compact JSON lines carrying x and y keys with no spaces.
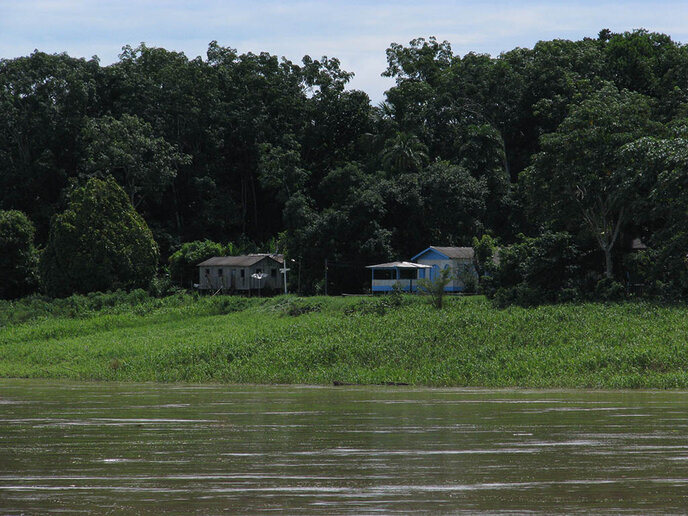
{"x":446,"y":253}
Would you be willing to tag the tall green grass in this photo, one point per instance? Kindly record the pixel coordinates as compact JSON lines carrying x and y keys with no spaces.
{"x":354,"y":340}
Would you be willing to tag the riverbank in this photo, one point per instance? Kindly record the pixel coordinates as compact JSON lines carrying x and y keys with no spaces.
{"x":356,"y":340}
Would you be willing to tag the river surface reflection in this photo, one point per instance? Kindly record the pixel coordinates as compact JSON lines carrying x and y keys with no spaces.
{"x":208,"y":449}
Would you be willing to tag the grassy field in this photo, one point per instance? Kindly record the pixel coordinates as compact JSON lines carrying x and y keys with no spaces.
{"x":352,"y":340}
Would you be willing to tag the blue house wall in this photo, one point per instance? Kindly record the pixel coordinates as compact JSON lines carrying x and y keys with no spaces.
{"x":430,"y":255}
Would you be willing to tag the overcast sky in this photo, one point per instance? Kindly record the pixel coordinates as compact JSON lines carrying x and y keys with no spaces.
{"x":357,"y":32}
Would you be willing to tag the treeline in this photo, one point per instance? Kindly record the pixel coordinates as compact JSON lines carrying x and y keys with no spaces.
{"x":564,"y":153}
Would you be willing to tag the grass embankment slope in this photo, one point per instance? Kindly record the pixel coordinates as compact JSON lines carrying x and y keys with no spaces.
{"x":354,"y":340}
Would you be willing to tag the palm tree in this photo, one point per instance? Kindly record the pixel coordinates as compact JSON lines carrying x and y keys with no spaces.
{"x":404,"y":153}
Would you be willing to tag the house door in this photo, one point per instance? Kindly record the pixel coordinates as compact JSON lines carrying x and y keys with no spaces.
{"x":434,"y":272}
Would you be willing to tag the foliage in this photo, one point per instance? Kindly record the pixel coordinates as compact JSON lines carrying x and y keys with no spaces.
{"x":434,"y":288}
{"x":18,"y":256}
{"x":580,"y":179}
{"x":162,"y":286}
{"x":537,"y":270}
{"x":239,"y":340}
{"x":126,"y":149}
{"x":184,"y":261}
{"x":404,"y":153}
{"x":484,"y":249}
{"x":242,"y":147}
{"x":609,"y":290}
{"x":663,"y":162}
{"x":98,"y":243}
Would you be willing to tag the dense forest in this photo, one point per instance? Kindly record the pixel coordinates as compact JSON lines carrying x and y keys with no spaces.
{"x":561,"y":156}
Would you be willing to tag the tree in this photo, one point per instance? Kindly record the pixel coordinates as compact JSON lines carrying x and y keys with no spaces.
{"x":581,"y":179}
{"x":484,"y":249}
{"x":183,"y":262}
{"x":18,"y":256}
{"x":435,"y":287}
{"x":43,"y":102}
{"x":279,"y":168}
{"x":661,"y":219}
{"x":453,"y":203}
{"x":98,"y":243}
{"x":537,"y":270}
{"x":126,"y":149}
{"x":404,"y":153}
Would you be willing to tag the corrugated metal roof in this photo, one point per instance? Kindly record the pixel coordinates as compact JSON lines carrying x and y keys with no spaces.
{"x":239,"y":261}
{"x":399,"y":265}
{"x":465,"y":253}
{"x":276,"y":257}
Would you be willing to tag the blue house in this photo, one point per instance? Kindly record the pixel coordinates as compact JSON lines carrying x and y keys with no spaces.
{"x":403,"y":275}
{"x":458,"y":259}
{"x":426,"y":264}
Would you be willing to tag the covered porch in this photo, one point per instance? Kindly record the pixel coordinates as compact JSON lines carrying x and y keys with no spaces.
{"x":385,"y":277}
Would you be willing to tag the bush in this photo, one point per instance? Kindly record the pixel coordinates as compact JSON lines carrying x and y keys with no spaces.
{"x":162,"y":286}
{"x":183,"y":262}
{"x":537,"y":270}
{"x":379,"y":305}
{"x":98,"y":243}
{"x":78,"y":305}
{"x":435,"y":288}
{"x":18,"y":256}
{"x":609,"y":290}
{"x":302,"y":307}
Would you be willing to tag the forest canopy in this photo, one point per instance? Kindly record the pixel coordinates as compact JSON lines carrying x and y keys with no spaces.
{"x":570,"y":143}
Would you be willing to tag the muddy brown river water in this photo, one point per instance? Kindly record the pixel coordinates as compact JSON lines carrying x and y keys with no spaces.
{"x":97,"y":448}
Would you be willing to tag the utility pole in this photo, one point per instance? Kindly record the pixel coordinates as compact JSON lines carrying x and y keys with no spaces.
{"x":284,"y":271}
{"x":325,"y":276}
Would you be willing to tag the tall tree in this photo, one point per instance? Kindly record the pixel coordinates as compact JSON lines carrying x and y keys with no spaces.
{"x":99,"y":242}
{"x":43,"y":101}
{"x":18,"y":256}
{"x":127,"y":149}
{"x":581,"y":178}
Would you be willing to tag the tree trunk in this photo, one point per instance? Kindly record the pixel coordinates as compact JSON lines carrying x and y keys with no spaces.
{"x":608,"y":271}
{"x":505,"y":159}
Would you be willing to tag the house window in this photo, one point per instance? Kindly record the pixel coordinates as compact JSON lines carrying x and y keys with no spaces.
{"x":219,"y":272}
{"x":408,"y":273}
{"x":259,"y":271}
{"x":207,"y":272}
{"x":273,"y":273}
{"x":243,"y":273}
{"x":383,"y":274}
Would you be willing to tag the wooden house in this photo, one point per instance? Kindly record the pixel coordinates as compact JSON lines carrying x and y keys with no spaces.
{"x":385,"y":277}
{"x":458,"y":259}
{"x":245,"y":274}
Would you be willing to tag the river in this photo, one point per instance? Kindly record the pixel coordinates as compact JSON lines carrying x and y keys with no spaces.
{"x":105,"y":448}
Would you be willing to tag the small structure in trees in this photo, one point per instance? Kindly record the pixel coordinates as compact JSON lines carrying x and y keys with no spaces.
{"x":239,"y":273}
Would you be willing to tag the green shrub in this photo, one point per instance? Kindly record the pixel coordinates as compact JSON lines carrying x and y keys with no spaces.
{"x":536,"y":270}
{"x":183,"y":262}
{"x":609,"y":290}
{"x":18,"y":256}
{"x":435,"y":288}
{"x":162,"y":286}
{"x":378,"y":305}
{"x":98,"y":243}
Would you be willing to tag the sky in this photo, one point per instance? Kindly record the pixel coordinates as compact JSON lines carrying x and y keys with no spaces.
{"x":357,"y":32}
